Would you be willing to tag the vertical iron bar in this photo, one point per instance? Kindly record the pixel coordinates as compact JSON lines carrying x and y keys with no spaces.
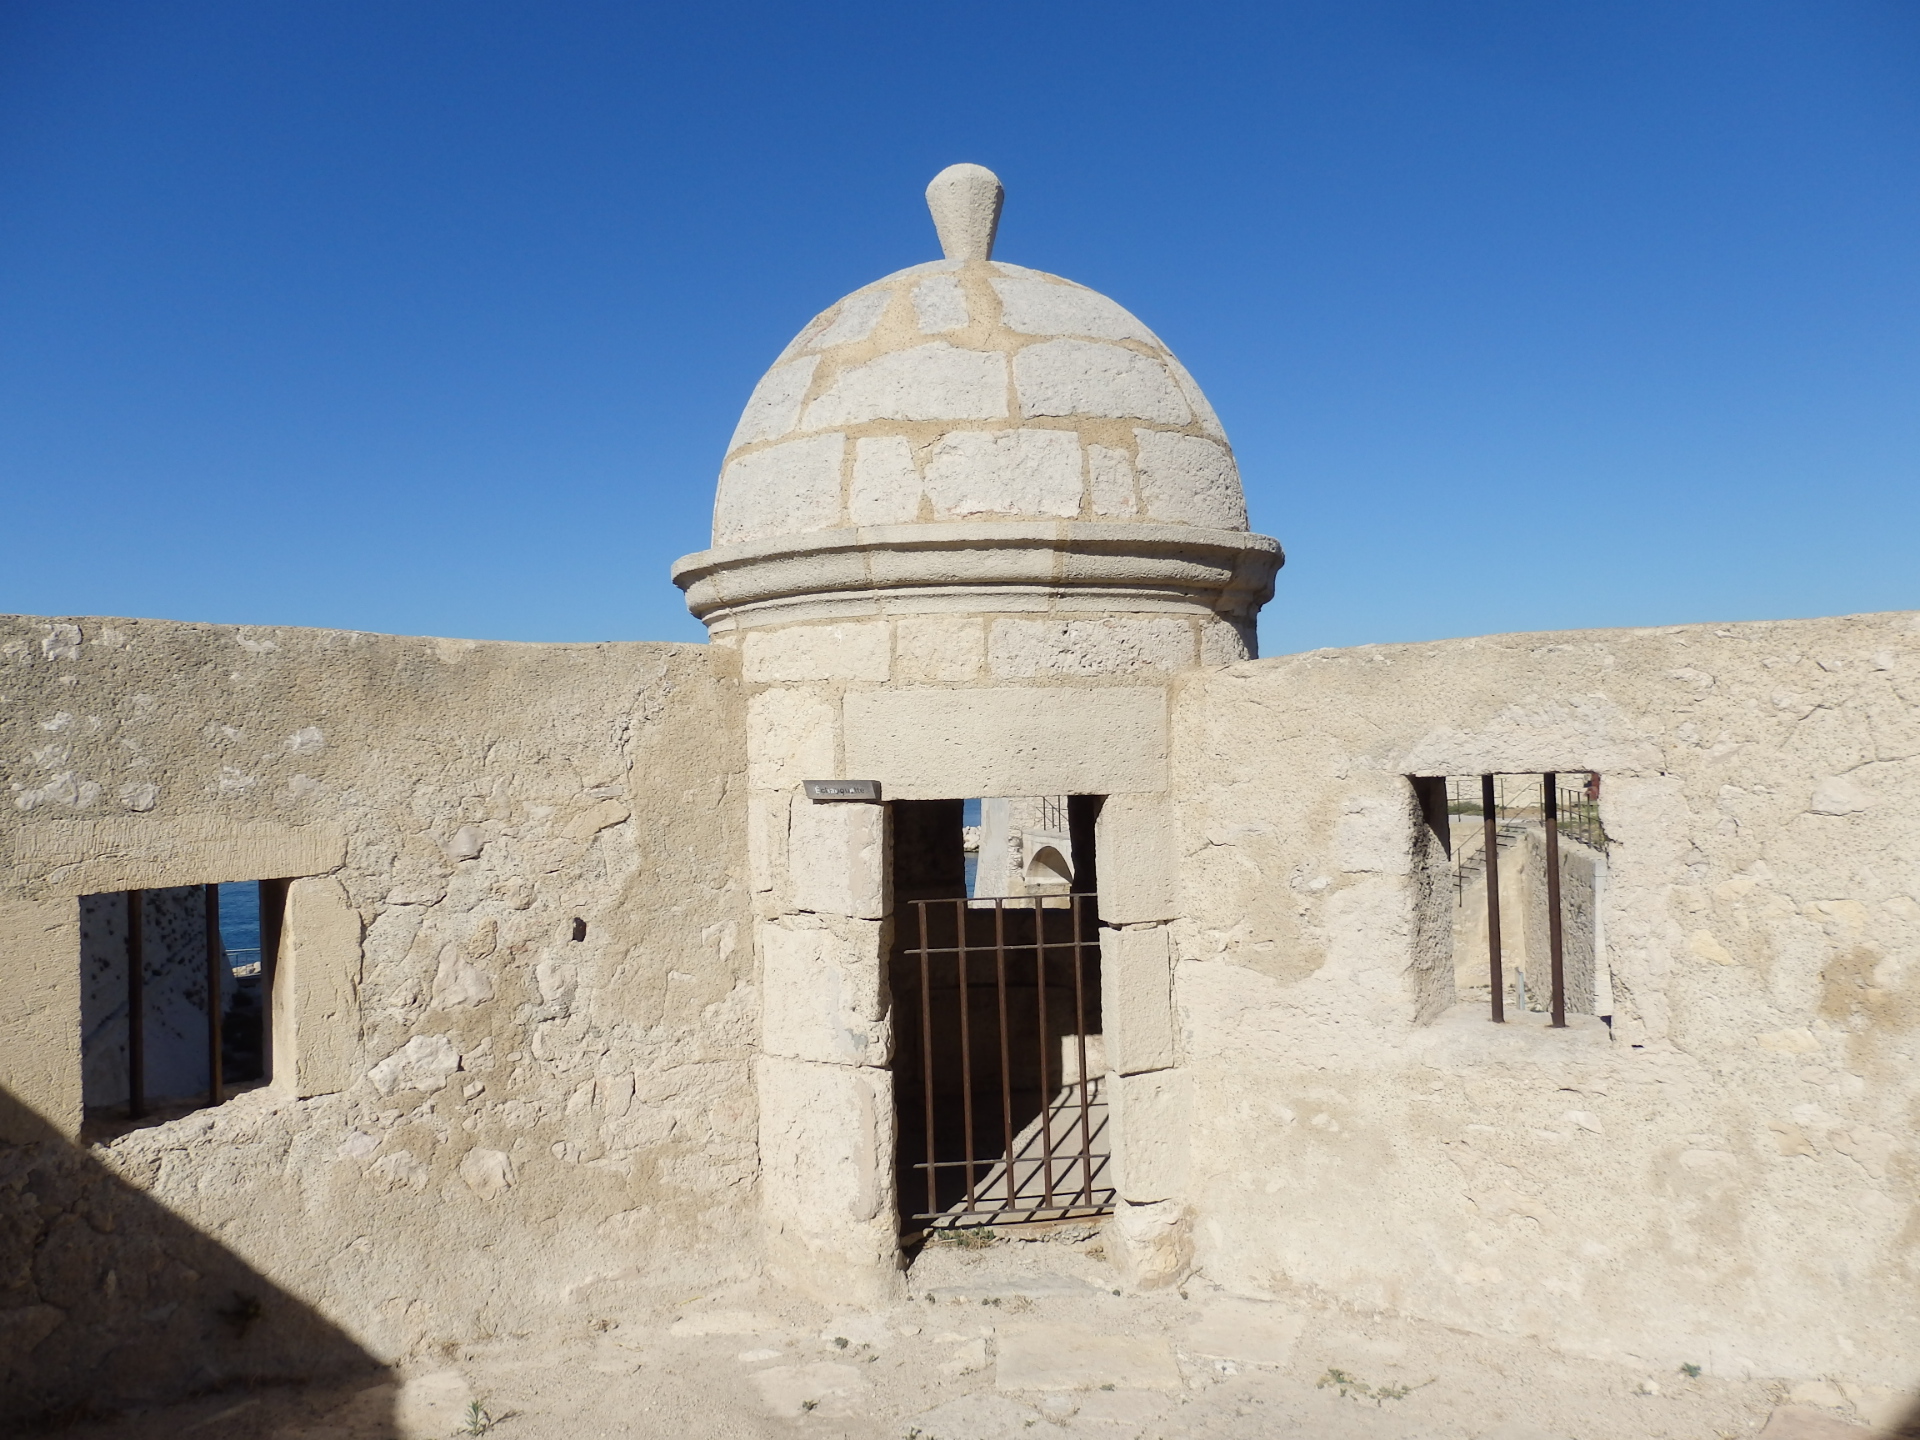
{"x":216,"y":1079}
{"x":1550,"y":812}
{"x":966,"y":1055}
{"x":1492,"y":844}
{"x":1006,"y":1066}
{"x":1046,"y":1044}
{"x":1080,"y":1038}
{"x":136,"y":1006}
{"x":926,"y":1055}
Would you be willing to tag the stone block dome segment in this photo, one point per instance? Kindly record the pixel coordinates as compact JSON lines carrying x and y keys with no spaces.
{"x":967,"y":393}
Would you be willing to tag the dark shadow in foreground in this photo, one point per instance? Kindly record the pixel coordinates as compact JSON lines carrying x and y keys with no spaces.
{"x":109,"y":1301}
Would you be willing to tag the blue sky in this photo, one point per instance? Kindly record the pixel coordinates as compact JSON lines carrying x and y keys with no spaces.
{"x":435,"y":317}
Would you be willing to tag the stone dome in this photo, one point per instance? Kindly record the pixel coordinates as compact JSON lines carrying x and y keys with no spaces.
{"x":974,"y":390}
{"x":967,"y":434}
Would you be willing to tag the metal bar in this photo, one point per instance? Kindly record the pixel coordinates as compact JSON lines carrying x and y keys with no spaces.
{"x":1046,"y":1045}
{"x":1080,"y":1038}
{"x":1488,"y":810}
{"x":136,"y":1005}
{"x":1550,"y":812}
{"x":926,"y":1047}
{"x":966,"y":1058}
{"x":1006,"y":1065}
{"x":216,"y":1080}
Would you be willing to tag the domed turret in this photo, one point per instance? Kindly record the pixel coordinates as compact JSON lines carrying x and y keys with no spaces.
{"x":969,"y":395}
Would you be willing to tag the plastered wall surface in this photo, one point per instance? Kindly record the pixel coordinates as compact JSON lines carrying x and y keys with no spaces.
{"x":477,"y":1121}
{"x":1728,"y":1178}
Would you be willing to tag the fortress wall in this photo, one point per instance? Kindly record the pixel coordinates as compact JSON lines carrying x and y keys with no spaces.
{"x":1728,"y":1178}
{"x":477,"y":1122}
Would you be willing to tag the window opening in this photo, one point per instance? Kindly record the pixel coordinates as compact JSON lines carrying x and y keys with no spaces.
{"x":1529,"y":866}
{"x":176,"y":988}
{"x":999,"y":1069}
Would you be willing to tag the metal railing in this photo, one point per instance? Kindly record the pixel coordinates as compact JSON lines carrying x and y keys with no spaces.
{"x":218,"y":959}
{"x":1015,"y":1121}
{"x":1508,"y":802}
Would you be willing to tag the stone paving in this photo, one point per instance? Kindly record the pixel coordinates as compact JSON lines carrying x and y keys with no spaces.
{"x":1020,"y":1341}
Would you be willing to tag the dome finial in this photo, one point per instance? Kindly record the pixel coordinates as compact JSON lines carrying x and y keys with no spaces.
{"x":965,"y":201}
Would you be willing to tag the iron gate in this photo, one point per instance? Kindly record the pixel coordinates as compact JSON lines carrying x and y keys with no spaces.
{"x":1000,"y":1068}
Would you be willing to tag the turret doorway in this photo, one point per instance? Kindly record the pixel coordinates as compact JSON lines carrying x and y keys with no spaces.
{"x":994,"y":969}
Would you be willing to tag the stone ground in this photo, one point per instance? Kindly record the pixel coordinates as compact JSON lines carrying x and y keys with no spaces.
{"x":1020,"y":1340}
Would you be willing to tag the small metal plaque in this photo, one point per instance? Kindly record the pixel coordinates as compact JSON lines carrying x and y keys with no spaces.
{"x":843,"y":789}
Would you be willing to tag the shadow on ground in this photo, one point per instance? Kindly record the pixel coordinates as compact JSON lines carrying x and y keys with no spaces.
{"x":109,"y":1301}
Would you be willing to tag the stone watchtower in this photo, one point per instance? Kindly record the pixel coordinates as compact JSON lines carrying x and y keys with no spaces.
{"x":971,"y":525}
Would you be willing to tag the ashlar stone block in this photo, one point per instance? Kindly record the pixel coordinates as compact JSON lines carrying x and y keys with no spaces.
{"x":822,"y":993}
{"x":929,"y":382}
{"x":1139,"y":877}
{"x":938,"y":647}
{"x":1187,"y":480}
{"x":853,"y":651}
{"x":932,"y":743}
{"x":1111,"y":482}
{"x":1136,"y":1000}
{"x":1151,"y":1118}
{"x":1084,"y":377}
{"x":783,"y":490}
{"x":836,"y":853}
{"x":859,"y":313}
{"x":1005,"y":472}
{"x":1108,"y":645}
{"x":791,"y":737}
{"x":826,"y":1147}
{"x":1035,"y":306}
{"x":886,"y":486}
{"x":774,"y":407}
{"x":316,"y":1025}
{"x":939,"y":304}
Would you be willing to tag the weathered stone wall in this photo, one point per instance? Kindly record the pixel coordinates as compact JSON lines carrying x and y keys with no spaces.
{"x":478,"y":1122}
{"x":1729,"y":1178}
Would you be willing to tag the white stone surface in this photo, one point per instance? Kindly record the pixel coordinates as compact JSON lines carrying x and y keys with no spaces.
{"x":1086,"y":377}
{"x":886,"y":486}
{"x":822,"y":994}
{"x":965,"y":201}
{"x":1150,"y":1119}
{"x":785,"y":489}
{"x":936,"y":381}
{"x":1202,"y":407}
{"x":859,"y":313}
{"x":1108,"y":645}
{"x":934,"y":743}
{"x":824,"y":1130}
{"x":837,"y":852}
{"x":1110,"y":481}
{"x":792,"y":738}
{"x":1005,"y":472}
{"x":938,"y":648}
{"x":939,"y":304}
{"x":1150,"y":1245}
{"x":1252,"y":1332}
{"x":1136,"y":1007}
{"x":774,"y":407}
{"x":1187,"y":480}
{"x":422,"y":1064}
{"x":1033,"y":304}
{"x":1070,"y":1357}
{"x":855,"y":650}
{"x":1139,"y":860}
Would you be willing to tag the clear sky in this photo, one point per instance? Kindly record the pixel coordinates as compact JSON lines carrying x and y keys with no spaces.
{"x":435,"y":317}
